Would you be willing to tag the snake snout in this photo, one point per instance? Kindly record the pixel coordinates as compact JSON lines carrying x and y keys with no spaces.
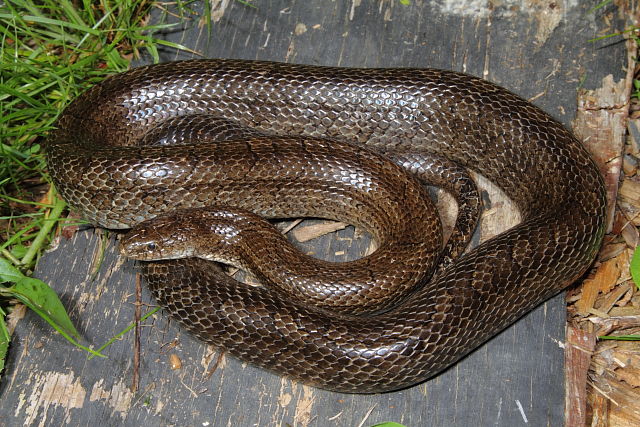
{"x":154,"y":240}
{"x":137,"y":246}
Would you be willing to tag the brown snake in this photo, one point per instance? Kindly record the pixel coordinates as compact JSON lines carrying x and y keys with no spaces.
{"x":479,"y":125}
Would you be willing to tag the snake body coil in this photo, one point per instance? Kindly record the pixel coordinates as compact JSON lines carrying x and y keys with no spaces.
{"x":534,"y":159}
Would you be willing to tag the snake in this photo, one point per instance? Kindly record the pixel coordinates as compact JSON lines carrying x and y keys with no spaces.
{"x":99,"y":167}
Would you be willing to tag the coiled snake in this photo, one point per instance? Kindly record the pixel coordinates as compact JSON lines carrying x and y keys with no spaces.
{"x":479,"y":125}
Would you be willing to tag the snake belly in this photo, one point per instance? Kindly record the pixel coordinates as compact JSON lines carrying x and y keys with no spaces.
{"x":540,"y":166}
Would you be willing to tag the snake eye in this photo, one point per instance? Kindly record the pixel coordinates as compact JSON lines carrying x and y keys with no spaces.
{"x":151,"y":246}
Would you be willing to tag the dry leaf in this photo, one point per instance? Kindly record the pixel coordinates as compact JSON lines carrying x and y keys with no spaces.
{"x":303,"y":234}
{"x":604,"y":280}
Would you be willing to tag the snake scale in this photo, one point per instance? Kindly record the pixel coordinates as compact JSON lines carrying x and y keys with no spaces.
{"x":530,"y":156}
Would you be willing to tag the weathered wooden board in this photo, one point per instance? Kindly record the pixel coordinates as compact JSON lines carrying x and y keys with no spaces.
{"x":537,"y":49}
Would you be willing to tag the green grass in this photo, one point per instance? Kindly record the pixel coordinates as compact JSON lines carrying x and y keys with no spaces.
{"x":51,"y":51}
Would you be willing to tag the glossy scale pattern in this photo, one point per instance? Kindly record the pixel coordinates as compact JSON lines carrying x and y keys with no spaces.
{"x":479,"y":125}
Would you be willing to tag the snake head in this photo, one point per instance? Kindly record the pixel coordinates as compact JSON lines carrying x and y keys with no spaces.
{"x":157,"y":239}
{"x":212,"y":233}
